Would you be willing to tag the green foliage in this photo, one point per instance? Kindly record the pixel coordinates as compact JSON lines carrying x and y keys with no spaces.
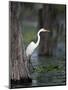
{"x":29,"y":34}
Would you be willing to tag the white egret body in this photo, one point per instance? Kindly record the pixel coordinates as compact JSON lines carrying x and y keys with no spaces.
{"x":32,"y":46}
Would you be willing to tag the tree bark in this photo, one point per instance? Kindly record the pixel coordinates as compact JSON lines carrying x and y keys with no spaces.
{"x":19,"y":72}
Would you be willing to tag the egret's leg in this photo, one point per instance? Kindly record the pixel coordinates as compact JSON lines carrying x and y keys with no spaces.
{"x":31,"y":66}
{"x":27,"y":64}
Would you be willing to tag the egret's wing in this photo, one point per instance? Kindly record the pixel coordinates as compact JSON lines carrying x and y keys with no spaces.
{"x":30,"y":48}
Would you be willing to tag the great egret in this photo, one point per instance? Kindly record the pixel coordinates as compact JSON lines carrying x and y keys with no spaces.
{"x":30,"y":49}
{"x":32,"y":46}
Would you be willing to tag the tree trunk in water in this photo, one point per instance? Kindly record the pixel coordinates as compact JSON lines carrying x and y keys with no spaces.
{"x":19,"y":72}
{"x":44,"y":42}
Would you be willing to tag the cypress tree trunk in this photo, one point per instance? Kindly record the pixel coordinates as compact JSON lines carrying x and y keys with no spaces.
{"x":19,"y":72}
{"x":45,"y":18}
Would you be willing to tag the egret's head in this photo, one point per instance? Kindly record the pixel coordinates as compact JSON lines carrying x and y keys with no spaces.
{"x":43,"y":30}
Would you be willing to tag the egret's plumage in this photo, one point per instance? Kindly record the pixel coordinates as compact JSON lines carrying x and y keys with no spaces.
{"x":32,"y":46}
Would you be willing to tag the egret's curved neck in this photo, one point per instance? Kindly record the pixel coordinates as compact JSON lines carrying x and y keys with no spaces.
{"x":37,"y":43}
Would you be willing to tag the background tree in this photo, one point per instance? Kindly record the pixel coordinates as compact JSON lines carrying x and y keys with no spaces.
{"x":44,"y":21}
{"x":49,"y":19}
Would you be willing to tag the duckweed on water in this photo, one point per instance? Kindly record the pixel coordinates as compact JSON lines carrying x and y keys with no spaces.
{"x":48,"y":68}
